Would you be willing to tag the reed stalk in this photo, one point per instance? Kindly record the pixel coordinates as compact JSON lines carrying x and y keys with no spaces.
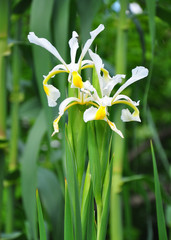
{"x":13,"y":150}
{"x":118,"y":143}
{"x":3,"y":52}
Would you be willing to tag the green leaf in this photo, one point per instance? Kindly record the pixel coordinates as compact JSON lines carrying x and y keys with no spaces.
{"x":156,"y":139}
{"x":68,"y":225}
{"x":86,"y":201}
{"x":106,"y":200}
{"x":52,"y":200}
{"x":10,"y":236}
{"x":42,"y":231}
{"x":42,"y":58}
{"x":29,"y":170}
{"x":73,"y":187}
{"x":95,"y":168}
{"x":159,"y":206}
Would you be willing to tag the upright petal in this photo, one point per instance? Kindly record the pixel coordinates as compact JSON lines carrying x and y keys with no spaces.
{"x":137,"y":74}
{"x":98,"y":65}
{"x":45,"y":44}
{"x":112,"y":83}
{"x":73,"y":43}
{"x":87,"y":45}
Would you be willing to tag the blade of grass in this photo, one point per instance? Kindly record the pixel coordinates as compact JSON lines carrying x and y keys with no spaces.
{"x":68,"y":226}
{"x":73,"y":188}
{"x":42,"y":231}
{"x":3,"y":49}
{"x":29,"y":171}
{"x":159,"y":206}
{"x":52,"y":200}
{"x":156,"y":139}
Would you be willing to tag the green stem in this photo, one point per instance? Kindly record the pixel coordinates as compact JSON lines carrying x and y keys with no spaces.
{"x":3,"y":52}
{"x":13,"y":154}
{"x":118,"y":143}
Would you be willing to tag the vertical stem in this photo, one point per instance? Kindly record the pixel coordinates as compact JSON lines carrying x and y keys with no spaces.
{"x":3,"y":50}
{"x":118,"y":143}
{"x":15,"y":95}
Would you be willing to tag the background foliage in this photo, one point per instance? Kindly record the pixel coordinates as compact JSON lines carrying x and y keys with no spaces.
{"x":31,"y":158}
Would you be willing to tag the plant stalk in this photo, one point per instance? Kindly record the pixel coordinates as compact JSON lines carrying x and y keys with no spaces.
{"x":3,"y":53}
{"x":13,"y":153}
{"x":118,"y":143}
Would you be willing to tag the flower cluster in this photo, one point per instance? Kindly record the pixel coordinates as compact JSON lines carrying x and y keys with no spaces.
{"x":99,"y":101}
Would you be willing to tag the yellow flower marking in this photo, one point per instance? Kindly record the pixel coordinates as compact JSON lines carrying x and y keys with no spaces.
{"x":136,"y":111}
{"x":101,"y":113}
{"x":77,"y":80}
{"x":46,"y":89}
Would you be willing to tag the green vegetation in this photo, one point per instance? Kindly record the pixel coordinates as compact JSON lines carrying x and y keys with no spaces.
{"x":85,"y":182}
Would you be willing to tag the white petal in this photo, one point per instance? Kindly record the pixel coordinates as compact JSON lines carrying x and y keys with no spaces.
{"x":127,"y":116}
{"x":59,"y":67}
{"x":87,"y":45}
{"x":98,"y":65}
{"x":73,"y":43}
{"x":86,"y":62}
{"x":88,"y":86}
{"x":90,"y":114}
{"x":106,"y":101}
{"x":65,"y":103}
{"x":45,"y":44}
{"x":112,"y":83}
{"x":53,"y":95}
{"x":114,"y":128}
{"x":137,"y":74}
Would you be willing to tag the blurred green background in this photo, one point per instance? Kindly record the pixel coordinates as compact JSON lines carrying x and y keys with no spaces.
{"x":31,"y":158}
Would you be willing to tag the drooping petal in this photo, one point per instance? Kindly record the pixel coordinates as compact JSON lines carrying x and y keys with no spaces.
{"x":129,"y":100}
{"x":84,"y":63}
{"x":52,"y":94}
{"x":114,"y":128}
{"x":73,"y":43}
{"x":55,"y":125}
{"x":87,"y":45}
{"x":45,"y":44}
{"x":137,"y":74}
{"x":65,"y":103}
{"x":127,"y":116}
{"x":59,"y":67}
{"x":90,"y":114}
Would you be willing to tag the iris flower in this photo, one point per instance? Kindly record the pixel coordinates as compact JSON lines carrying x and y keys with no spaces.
{"x":106,"y":86}
{"x":73,"y":68}
{"x":99,"y":104}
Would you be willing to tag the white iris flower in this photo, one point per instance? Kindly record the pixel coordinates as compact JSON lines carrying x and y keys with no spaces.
{"x":106,"y":86}
{"x":73,"y":69}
